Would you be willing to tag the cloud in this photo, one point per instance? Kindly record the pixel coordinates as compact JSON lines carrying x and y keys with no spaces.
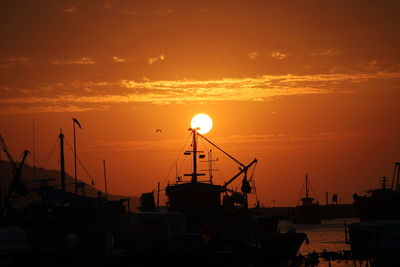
{"x":153,"y":60}
{"x":102,"y":94}
{"x":78,"y":61}
{"x":108,"y":4}
{"x":20,"y":60}
{"x":118,"y":59}
{"x":164,"y":12}
{"x":278,"y":55}
{"x":326,"y":52}
{"x":252,"y":55}
{"x":22,"y":109}
{"x":70,"y":9}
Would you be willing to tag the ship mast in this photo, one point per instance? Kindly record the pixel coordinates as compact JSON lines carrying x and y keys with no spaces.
{"x":62,"y":162}
{"x":306,"y":186}
{"x":194,"y":175}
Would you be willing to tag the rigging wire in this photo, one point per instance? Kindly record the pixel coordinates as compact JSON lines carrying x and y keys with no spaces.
{"x":176,"y":160}
{"x":205,"y":149}
{"x":80,"y":162}
{"x":312,"y":190}
{"x":253,"y":181}
{"x":221,"y":177}
{"x":301,"y":192}
{"x":48,"y":157}
{"x":181,"y":166}
{"x":42,"y":172}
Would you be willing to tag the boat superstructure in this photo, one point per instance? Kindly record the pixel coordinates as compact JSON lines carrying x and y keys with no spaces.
{"x":308,"y":212}
{"x":217,"y":218}
{"x":381,"y":203}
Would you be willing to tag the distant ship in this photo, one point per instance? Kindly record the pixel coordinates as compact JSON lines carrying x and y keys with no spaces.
{"x":309,"y":211}
{"x":381,"y":203}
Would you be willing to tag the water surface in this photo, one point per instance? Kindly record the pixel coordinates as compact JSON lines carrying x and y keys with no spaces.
{"x":329,"y":235}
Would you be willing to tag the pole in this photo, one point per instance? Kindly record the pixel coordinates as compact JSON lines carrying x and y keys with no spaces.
{"x":194,"y":176}
{"x":326,"y":197}
{"x":306,"y":186}
{"x":158,"y":196}
{"x":105,"y":178}
{"x":210,"y":165}
{"x":1,"y":185}
{"x":397,"y":164}
{"x":129,"y":205}
{"x":62,"y":162}
{"x":76,"y":180}
{"x":33,"y":149}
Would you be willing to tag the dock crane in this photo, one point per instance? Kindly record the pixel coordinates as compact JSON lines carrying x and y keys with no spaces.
{"x":17,"y":185}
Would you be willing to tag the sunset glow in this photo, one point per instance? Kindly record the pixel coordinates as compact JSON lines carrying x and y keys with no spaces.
{"x":303,"y":86}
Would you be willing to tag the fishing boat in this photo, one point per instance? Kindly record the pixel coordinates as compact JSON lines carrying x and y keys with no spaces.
{"x":309,"y":211}
{"x":213,"y":220}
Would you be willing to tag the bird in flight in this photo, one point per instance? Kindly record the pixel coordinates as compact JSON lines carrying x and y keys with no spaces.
{"x":158,"y":131}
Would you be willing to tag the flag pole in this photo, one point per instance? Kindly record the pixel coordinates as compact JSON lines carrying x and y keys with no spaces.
{"x":76,"y":181}
{"x":105,"y":178}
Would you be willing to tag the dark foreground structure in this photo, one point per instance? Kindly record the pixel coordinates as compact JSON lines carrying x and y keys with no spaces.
{"x":377,"y":236}
{"x":205,"y":224}
{"x":212,"y":223}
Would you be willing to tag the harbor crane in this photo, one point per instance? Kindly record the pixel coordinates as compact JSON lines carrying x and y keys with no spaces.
{"x":17,"y":184}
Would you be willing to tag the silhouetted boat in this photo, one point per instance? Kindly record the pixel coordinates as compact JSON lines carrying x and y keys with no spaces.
{"x":212,"y":220}
{"x":41,"y":223}
{"x":377,"y":236}
{"x":382,"y":203}
{"x":309,"y":211}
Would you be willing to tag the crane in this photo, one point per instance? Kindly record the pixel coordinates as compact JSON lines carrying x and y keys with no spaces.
{"x":16,"y":185}
{"x":246,"y":188}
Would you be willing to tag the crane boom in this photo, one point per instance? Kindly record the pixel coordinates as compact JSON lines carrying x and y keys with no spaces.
{"x":243,"y":168}
{"x":7,"y":152}
{"x":16,"y":181}
{"x":238,"y":162}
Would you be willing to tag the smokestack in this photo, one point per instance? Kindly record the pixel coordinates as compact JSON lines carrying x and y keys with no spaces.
{"x":326,"y":197}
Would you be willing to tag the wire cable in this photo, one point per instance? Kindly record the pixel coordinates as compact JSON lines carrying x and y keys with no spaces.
{"x":80,"y":162}
{"x":176,"y":160}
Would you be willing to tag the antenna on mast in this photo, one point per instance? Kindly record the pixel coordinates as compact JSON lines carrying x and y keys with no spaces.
{"x":210,"y":167}
{"x":194,"y":152}
{"x":75,"y":121}
{"x":33,"y":149}
{"x":105,"y":178}
{"x":62,"y":162}
{"x":306,"y":185}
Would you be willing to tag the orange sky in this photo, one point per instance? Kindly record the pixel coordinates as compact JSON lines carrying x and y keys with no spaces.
{"x":303,"y":86}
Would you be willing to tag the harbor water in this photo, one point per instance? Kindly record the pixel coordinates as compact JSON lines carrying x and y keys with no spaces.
{"x":329,"y":235}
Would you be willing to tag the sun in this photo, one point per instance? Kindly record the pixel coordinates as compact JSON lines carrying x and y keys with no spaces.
{"x":202,"y":122}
